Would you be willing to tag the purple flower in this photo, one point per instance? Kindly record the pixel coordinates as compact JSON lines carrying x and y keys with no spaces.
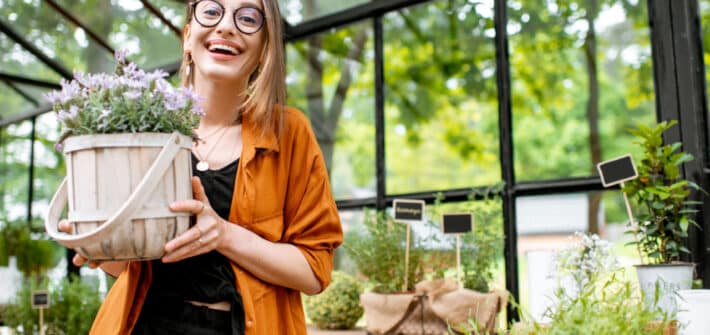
{"x":58,"y":146}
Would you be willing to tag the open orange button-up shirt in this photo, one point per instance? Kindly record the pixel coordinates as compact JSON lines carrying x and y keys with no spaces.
{"x":281,"y":193}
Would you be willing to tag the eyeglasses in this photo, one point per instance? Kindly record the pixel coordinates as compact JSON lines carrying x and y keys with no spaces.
{"x":209,"y":13}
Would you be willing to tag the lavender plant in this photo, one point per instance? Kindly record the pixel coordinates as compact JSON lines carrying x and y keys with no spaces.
{"x":129,"y":101}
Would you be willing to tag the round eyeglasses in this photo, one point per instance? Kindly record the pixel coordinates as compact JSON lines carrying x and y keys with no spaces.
{"x":209,"y":13}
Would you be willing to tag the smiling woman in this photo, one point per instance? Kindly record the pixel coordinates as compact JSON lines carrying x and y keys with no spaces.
{"x":254,"y":247}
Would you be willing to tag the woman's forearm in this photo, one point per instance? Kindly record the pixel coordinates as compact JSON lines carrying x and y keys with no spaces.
{"x":277,"y":263}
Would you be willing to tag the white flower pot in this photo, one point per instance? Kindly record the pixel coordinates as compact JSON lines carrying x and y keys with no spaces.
{"x":693,"y":308}
{"x":667,"y":279}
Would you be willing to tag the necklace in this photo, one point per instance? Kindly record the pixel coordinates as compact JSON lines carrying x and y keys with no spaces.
{"x":202,"y":165}
{"x":203,"y":138}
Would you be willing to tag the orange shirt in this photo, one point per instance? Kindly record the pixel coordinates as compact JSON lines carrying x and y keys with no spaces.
{"x":281,"y":193}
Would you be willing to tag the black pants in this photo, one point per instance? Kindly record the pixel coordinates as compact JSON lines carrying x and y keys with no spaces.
{"x":183,"y":319}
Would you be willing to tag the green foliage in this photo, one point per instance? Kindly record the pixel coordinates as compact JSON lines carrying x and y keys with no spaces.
{"x":73,"y":306}
{"x":663,"y":194}
{"x":338,"y":307}
{"x":609,"y":306}
{"x":378,"y":253}
{"x":35,"y":255}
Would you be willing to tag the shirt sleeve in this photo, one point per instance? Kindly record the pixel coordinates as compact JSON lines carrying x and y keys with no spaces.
{"x":313,"y":223}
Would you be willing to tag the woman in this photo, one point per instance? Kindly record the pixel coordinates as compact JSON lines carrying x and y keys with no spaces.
{"x":265,"y":216}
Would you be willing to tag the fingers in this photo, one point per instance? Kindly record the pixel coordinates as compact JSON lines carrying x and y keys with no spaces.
{"x":192,"y":235}
{"x":64,"y":226}
{"x":78,"y":260}
{"x":191,"y":206}
{"x":197,"y":205}
{"x":201,"y":238}
{"x":198,"y":192}
{"x":198,"y":246}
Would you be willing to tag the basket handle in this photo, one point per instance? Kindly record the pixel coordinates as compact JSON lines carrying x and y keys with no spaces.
{"x":126,"y":212}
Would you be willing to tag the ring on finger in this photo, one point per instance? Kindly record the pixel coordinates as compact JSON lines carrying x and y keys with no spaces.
{"x":201,"y":208}
{"x":199,"y":230}
{"x":199,"y":241}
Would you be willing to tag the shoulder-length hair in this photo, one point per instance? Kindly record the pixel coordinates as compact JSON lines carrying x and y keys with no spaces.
{"x":266,"y":90}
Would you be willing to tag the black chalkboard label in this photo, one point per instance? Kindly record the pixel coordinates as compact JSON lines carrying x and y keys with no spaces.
{"x":457,"y":223}
{"x":40,"y":299}
{"x":617,"y":170}
{"x":408,"y":210}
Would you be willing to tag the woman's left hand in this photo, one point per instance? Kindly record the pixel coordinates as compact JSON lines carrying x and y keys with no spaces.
{"x":204,"y":236}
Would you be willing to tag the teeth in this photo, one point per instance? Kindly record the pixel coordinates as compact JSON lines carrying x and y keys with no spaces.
{"x":223,"y":47}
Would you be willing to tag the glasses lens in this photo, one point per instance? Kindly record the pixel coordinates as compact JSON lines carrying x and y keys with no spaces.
{"x":249,"y":20}
{"x":208,"y":13}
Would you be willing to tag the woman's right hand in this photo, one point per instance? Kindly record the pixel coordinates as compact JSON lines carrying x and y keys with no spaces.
{"x":78,"y":260}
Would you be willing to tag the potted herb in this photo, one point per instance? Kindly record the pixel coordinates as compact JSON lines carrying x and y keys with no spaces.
{"x":593,"y":298}
{"x":430,"y":306}
{"x":662,"y":193}
{"x":125,"y":136}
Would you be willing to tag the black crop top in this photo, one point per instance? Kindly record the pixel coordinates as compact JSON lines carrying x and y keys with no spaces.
{"x":208,"y":277}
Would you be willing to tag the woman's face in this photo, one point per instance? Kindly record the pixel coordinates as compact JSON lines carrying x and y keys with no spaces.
{"x":223,"y":52}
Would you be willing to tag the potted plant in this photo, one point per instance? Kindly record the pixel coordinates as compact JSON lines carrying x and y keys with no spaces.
{"x":662,"y":193}
{"x":434,"y":306}
{"x":338,"y":307}
{"x":126,"y":141}
{"x":592,"y":297}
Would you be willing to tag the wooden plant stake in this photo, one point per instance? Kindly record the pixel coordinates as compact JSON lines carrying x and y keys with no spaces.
{"x":408,"y":211}
{"x":458,"y":224}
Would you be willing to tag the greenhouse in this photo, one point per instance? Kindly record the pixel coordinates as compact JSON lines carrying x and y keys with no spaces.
{"x":549,"y":152}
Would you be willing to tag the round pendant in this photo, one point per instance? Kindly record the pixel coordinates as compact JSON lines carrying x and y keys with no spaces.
{"x":202,"y":166}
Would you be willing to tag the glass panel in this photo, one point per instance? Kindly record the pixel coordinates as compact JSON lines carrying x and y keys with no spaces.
{"x":297,"y":11}
{"x":131,"y":27}
{"x":441,"y":103}
{"x":352,"y":221}
{"x":12,"y":103}
{"x":562,"y":128}
{"x":545,"y":224}
{"x":17,"y":61}
{"x":60,"y":39}
{"x":14,"y":171}
{"x":49,"y":169}
{"x":330,"y":78}
{"x":34,"y":92}
{"x":173,"y":10}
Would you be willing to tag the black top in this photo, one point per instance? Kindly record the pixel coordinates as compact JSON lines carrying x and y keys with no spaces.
{"x":208,"y":277}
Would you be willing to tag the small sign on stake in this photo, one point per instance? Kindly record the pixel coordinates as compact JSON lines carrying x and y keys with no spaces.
{"x":40,"y":300}
{"x":457,"y":223}
{"x":617,"y":171}
{"x":408,"y":211}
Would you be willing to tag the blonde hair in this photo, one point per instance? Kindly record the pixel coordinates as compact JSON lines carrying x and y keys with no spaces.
{"x":266,"y":90}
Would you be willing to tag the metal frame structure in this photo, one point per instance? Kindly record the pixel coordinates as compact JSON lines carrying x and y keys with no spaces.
{"x":679,"y":77}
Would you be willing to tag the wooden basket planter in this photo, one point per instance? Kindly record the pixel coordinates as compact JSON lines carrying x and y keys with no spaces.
{"x":118,"y":188}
